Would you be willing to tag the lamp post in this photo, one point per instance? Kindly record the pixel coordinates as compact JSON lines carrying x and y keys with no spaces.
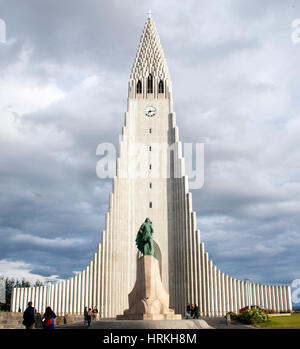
{"x":248,"y":295}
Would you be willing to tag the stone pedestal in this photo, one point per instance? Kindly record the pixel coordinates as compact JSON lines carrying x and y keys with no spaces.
{"x":148,"y":300}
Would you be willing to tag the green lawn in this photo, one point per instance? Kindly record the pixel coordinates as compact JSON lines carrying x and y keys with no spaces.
{"x":282,"y":322}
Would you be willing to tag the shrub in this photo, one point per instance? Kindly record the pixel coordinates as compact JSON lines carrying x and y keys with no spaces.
{"x":252,"y":316}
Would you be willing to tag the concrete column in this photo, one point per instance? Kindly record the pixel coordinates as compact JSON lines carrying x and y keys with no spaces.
{"x":199,"y":273}
{"x":257,"y":294}
{"x":34,"y":296}
{"x":239,"y":298}
{"x":54,"y":304}
{"x":91,"y":285}
{"x":208,"y":286}
{"x":44,"y":300}
{"x":277,"y":298}
{"x":223,"y":294}
{"x":75,"y":293}
{"x":63,"y":297}
{"x":208,"y":308}
{"x":18,"y":297}
{"x":284,"y":298}
{"x":22,"y":298}
{"x":103,"y":275}
{"x":243,"y":302}
{"x":71,"y":301}
{"x":234,"y":293}
{"x":83,"y":291}
{"x":59,"y":298}
{"x":265,"y":297}
{"x":87,"y":284}
{"x":230,"y":294}
{"x":269,"y":293}
{"x":289,"y":298}
{"x":258,"y":299}
{"x":227,"y":293}
{"x":37,"y":297}
{"x":204,"y":281}
{"x":30,"y":296}
{"x":249,"y":294}
{"x":254,"y":300}
{"x":219,"y":289}
{"x":261,"y":295}
{"x":273,"y":299}
{"x":79,"y":305}
{"x":52,"y":296}
{"x":68,"y":296}
{"x":215,"y":289}
{"x":41,"y":289}
{"x":99,"y":290}
{"x":95,"y":282}
{"x":280,"y":298}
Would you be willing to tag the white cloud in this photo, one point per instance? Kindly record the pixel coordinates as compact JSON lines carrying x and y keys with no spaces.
{"x":19,"y":270}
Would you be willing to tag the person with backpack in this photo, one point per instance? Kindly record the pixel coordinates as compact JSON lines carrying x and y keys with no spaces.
{"x":48,"y":319}
{"x":28,"y":317}
{"x":89,"y":317}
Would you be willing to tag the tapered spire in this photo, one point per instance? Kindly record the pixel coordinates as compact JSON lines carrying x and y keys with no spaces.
{"x":150,"y":58}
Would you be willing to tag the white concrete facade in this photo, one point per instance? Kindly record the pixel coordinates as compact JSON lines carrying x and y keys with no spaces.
{"x":142,"y":188}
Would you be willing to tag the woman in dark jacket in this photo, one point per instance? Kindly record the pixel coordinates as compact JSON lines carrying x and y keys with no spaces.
{"x":48,"y":319}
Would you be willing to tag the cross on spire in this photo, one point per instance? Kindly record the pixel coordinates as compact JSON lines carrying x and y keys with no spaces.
{"x":149,"y":13}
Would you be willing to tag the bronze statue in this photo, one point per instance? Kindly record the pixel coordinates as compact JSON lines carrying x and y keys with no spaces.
{"x":144,"y":240}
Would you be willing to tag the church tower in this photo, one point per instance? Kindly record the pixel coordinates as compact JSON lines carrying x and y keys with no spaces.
{"x":150,"y":182}
{"x":144,"y":186}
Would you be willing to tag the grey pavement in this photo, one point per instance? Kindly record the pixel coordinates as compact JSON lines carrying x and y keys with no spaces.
{"x":203,"y":323}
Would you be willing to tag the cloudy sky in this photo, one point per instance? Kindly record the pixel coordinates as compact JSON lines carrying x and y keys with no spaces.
{"x":64,"y":72}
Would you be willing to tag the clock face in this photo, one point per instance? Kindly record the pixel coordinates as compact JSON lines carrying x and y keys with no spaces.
{"x":150,"y":111}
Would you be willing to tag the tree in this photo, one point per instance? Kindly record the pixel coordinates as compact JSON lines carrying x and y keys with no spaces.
{"x":10,"y":283}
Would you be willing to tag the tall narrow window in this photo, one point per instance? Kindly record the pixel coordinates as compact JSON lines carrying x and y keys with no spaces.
{"x":161,"y":87}
{"x":150,"y":167}
{"x":150,"y":204}
{"x":150,"y":148}
{"x":150,"y":84}
{"x":150,"y":130}
{"x":139,"y":87}
{"x":150,"y":185}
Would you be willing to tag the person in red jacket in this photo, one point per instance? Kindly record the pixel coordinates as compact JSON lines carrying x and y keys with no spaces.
{"x":48,"y":319}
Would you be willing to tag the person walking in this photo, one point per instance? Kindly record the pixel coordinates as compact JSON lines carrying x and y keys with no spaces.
{"x":85,"y":314}
{"x":95,"y":313}
{"x":196,"y":312}
{"x":89,"y":317}
{"x":192,"y":310}
{"x":228,"y":319}
{"x":188,"y":311}
{"x":28,"y":317}
{"x":48,"y":319}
